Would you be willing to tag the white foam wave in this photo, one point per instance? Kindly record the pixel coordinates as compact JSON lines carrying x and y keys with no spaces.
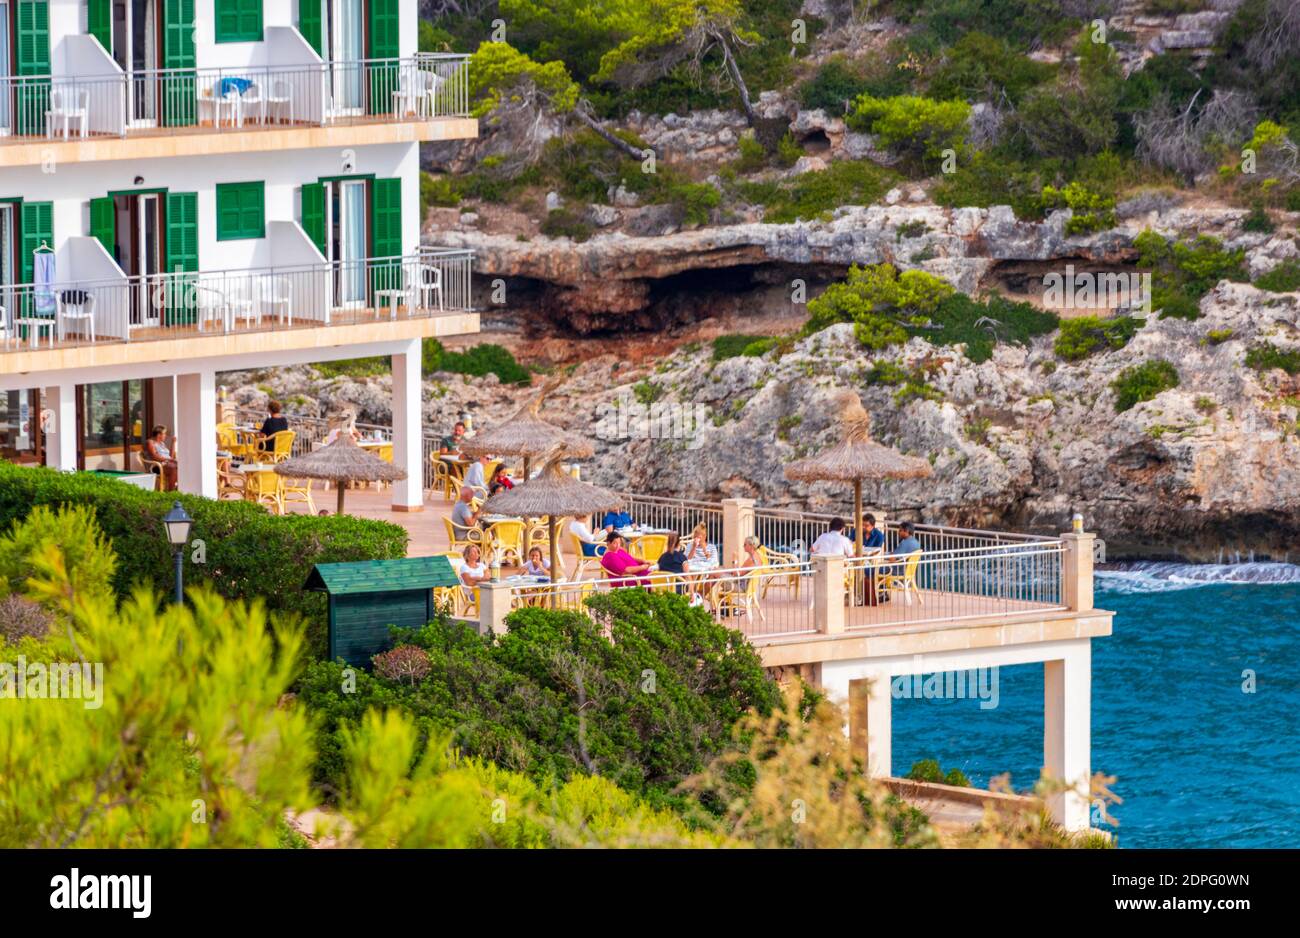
{"x":1164,"y":576}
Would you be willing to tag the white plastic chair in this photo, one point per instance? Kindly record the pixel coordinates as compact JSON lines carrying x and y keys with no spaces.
{"x":415,"y":94}
{"x":250,"y":102}
{"x":428,"y":282}
{"x":212,"y":306}
{"x":239,"y":297}
{"x":276,"y":297}
{"x":68,"y":105}
{"x":278,"y":102}
{"x":81,"y":315}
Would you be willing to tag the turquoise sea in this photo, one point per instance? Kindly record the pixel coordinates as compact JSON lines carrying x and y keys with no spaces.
{"x":1199,"y":762}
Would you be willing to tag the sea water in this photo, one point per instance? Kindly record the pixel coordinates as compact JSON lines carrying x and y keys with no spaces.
{"x":1195,"y":708}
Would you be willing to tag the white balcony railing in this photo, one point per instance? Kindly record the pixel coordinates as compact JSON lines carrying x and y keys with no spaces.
{"x":183,"y":304}
{"x":253,"y":97}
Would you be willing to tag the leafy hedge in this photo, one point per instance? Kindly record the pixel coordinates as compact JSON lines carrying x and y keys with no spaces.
{"x":249,"y":553}
{"x":555,"y":698}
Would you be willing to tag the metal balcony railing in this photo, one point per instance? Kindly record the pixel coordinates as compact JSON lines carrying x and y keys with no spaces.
{"x":194,"y":304}
{"x":424,"y":87}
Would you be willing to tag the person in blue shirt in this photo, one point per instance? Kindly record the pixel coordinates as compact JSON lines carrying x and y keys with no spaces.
{"x":616,"y":520}
{"x":873,"y":538}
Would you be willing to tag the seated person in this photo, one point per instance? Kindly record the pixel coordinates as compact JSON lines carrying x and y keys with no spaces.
{"x":463,"y":514}
{"x":475,"y":477}
{"x":537,"y":565}
{"x":673,"y":559}
{"x":156,"y":450}
{"x":700,"y":551}
{"x":873,"y":540}
{"x":907,"y":545}
{"x":273,"y":424}
{"x":616,"y":521}
{"x":593,"y":545}
{"x":618,"y":563}
{"x":749,"y":558}
{"x":473,"y":571}
{"x":343,"y":425}
{"x":833,"y":543}
{"x":500,"y":478}
{"x":451,"y":444}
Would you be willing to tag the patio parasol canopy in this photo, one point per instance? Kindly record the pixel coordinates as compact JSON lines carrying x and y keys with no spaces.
{"x":526,"y":434}
{"x":856,"y":458}
{"x":553,"y":494}
{"x":340,"y":462}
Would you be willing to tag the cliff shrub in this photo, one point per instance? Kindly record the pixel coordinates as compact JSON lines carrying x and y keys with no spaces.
{"x":1090,"y":211}
{"x":978,"y":65}
{"x":1284,"y":278}
{"x":929,"y":770}
{"x":816,"y":195}
{"x":1143,"y":382}
{"x":556,"y":697}
{"x":980,"y":324}
{"x":920,"y":129}
{"x":1182,"y":273}
{"x":248,"y":553}
{"x":1085,"y":335}
{"x":476,"y":361}
{"x":731,"y":346}
{"x":1267,"y":356}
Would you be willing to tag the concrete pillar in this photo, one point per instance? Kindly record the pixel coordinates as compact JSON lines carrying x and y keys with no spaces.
{"x":164,"y":403}
{"x":737,"y":524}
{"x":493,"y":607}
{"x":1067,"y":728}
{"x":196,"y":432}
{"x":828,"y":594}
{"x":871,"y":726}
{"x":61,"y":435}
{"x":408,"y":428}
{"x":1076,"y":571}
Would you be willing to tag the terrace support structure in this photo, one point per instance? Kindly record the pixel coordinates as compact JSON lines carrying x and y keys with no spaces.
{"x":61,"y":431}
{"x":196,"y":432}
{"x":408,"y":429}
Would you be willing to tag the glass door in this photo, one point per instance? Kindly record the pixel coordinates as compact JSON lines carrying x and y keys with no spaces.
{"x":343,"y":25}
{"x":6,"y":69}
{"x":135,"y":49}
{"x":345,"y":226}
{"x":138,"y":250}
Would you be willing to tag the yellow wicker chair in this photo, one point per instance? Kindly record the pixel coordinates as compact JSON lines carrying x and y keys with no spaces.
{"x":580,"y":559}
{"x":265,"y":487}
{"x":229,"y":484}
{"x":792,"y":579}
{"x":574,"y":597}
{"x":507,"y":537}
{"x":735,"y":598}
{"x":904,"y":582}
{"x":299,"y":490}
{"x":650,"y":547}
{"x":281,"y":446}
{"x":150,"y":465}
{"x":460,"y":538}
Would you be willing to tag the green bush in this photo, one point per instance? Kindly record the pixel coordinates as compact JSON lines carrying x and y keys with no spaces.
{"x":1182,"y":273}
{"x":979,"y":64}
{"x":731,"y":346}
{"x":877,"y":299}
{"x":1267,"y":356}
{"x":1284,"y":278}
{"x":476,"y":361}
{"x":788,"y":151}
{"x":815,"y":195}
{"x":1025,"y":23}
{"x":752,"y":155}
{"x":248,"y":552}
{"x":928,"y":770}
{"x":1258,"y":221}
{"x":555,"y":697}
{"x":1143,"y":382}
{"x":836,"y":83}
{"x":981,"y":324}
{"x":1090,"y":211}
{"x":1086,"y":335}
{"x":565,"y":223}
{"x":437,"y":190}
{"x":920,"y":129}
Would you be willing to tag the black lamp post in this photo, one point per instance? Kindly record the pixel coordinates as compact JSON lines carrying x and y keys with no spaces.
{"x":178,"y":525}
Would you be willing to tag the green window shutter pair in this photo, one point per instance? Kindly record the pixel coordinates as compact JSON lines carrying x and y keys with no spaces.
{"x":384,"y":44}
{"x":309,"y":24}
{"x":241,"y":210}
{"x":239,"y":20}
{"x":103,"y":223}
{"x":179,"y":102}
{"x":32,"y":34}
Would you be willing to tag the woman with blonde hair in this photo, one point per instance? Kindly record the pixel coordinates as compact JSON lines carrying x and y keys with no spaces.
{"x":701,"y":551}
{"x":344,"y":423}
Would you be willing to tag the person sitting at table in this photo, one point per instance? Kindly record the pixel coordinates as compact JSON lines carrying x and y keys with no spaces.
{"x":156,"y":450}
{"x":274,"y":423}
{"x":616,"y":521}
{"x":345,"y":424}
{"x":907,"y":545}
{"x":617,"y":562}
{"x":833,"y":543}
{"x":873,"y":539}
{"x":463,"y":514}
{"x":673,"y":559}
{"x":701,"y":552}
{"x":537,"y":565}
{"x":475,"y":476}
{"x":500,"y":478}
{"x":593,"y":545}
{"x":748,"y":558}
{"x":451,"y":444}
{"x":473,"y":571}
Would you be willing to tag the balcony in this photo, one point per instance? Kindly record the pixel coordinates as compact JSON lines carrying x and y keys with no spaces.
{"x":204,"y":310}
{"x":186,"y":111}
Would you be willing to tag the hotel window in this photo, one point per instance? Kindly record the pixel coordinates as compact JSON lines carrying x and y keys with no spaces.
{"x":239,"y":20}
{"x":241,"y":210}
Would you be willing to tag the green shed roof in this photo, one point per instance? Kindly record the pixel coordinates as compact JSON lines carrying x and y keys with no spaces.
{"x":381,"y":576}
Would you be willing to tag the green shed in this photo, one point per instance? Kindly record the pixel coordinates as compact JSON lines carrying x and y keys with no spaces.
{"x":369,"y":596}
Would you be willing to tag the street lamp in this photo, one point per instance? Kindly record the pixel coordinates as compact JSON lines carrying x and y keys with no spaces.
{"x":178,"y":525}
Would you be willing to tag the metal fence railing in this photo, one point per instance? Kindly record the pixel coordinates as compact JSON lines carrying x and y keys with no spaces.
{"x":675,"y":514}
{"x":422,"y":87}
{"x":203,"y":303}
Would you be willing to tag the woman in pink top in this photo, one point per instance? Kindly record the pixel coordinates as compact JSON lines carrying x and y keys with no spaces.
{"x":618,"y":563}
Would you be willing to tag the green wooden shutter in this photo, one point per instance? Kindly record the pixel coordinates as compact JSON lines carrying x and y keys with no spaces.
{"x":384,"y":44}
{"x":238,"y":20}
{"x":33,"y":42}
{"x":182,"y":227}
{"x":37,"y":226}
{"x":241,"y":210}
{"x":99,"y":19}
{"x":386,"y":233}
{"x":309,"y":24}
{"x":313,"y":213}
{"x":103,"y":223}
{"x":178,"y":91}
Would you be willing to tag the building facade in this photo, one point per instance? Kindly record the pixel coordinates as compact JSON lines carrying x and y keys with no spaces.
{"x":195,"y":186}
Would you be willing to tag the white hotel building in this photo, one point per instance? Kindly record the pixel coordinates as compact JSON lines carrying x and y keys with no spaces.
{"x":195,"y":186}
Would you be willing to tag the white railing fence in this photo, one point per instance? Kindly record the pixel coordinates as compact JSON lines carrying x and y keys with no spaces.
{"x":675,"y":514}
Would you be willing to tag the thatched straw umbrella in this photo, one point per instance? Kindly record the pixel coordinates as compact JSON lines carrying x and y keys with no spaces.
{"x":526,"y":434}
{"x":856,"y":458}
{"x":554,"y":494}
{"x":340,"y":462}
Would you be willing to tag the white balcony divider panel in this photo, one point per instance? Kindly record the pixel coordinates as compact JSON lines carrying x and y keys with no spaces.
{"x":88,"y":257}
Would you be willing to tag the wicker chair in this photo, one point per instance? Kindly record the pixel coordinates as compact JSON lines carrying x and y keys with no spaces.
{"x":650,"y":547}
{"x":459,"y":538}
{"x":507,"y":538}
{"x":905,"y":581}
{"x":735,"y":598}
{"x":265,"y":487}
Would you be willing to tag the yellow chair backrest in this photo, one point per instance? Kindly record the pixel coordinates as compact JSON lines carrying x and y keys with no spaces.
{"x":507,"y":533}
{"x":264,"y":482}
{"x":650,"y":547}
{"x":909,"y":567}
{"x":283,"y":443}
{"x":227,"y":439}
{"x":386,"y":452}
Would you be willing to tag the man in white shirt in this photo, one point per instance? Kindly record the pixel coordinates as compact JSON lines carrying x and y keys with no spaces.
{"x":475,"y":476}
{"x":833,"y":543}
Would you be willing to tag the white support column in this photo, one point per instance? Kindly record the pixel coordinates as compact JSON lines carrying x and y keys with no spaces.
{"x":737,"y":524}
{"x":196,"y":432}
{"x":408,"y":428}
{"x":871,"y":723}
{"x":1067,"y":728}
{"x":61,"y":436}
